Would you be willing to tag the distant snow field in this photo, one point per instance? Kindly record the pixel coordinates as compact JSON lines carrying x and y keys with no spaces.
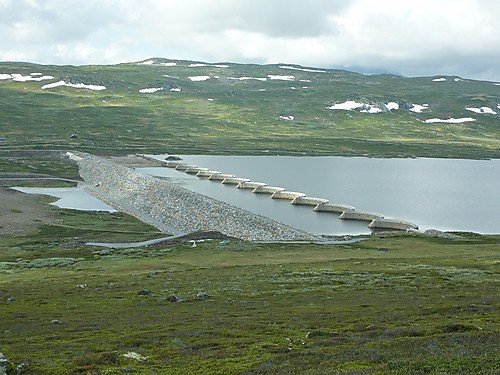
{"x":199,"y":78}
{"x":151,"y":62}
{"x":288,"y":118}
{"x":439,"y":80}
{"x":481,"y":110}
{"x":371,"y":109}
{"x":418,"y":108}
{"x":37,"y":77}
{"x":247,"y":78}
{"x":150,"y":90}
{"x":196,"y":65}
{"x":74,"y":85}
{"x":302,"y":69}
{"x":348,"y":105}
{"x":280,"y":78}
{"x":392,"y":106}
{"x":175,"y":89}
{"x":450,"y":120}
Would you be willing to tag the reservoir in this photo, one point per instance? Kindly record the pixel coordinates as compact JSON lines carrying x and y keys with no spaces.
{"x":443,"y":194}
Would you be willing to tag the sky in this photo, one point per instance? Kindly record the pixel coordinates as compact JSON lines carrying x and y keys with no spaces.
{"x":408,"y":37}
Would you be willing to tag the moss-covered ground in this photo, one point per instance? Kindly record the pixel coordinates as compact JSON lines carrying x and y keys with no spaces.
{"x":387,"y":305}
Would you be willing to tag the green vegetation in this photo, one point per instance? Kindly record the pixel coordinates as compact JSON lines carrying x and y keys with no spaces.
{"x":227,"y":116}
{"x":393,"y":305}
{"x":402,"y":304}
{"x":69,"y":231}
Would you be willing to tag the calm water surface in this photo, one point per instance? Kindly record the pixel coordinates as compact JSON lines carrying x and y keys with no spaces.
{"x":444,"y":194}
{"x":72,"y":198}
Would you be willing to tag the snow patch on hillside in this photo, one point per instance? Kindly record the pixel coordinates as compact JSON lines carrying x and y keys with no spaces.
{"x":481,"y":110}
{"x":150,"y":90}
{"x":392,"y":106}
{"x":247,"y":78}
{"x":371,"y":109}
{"x":280,"y":78}
{"x":348,"y":105}
{"x":288,"y":118}
{"x":418,"y":108}
{"x":168,"y":64}
{"x":74,"y":85}
{"x":439,"y":80}
{"x":196,"y":65}
{"x":176,"y":89}
{"x":450,"y":120}
{"x":199,"y":78}
{"x":20,"y":78}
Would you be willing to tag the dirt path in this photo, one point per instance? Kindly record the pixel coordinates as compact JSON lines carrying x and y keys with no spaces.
{"x":21,"y":213}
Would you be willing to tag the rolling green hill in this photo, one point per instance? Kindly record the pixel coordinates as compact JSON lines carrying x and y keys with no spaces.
{"x":244,"y":109}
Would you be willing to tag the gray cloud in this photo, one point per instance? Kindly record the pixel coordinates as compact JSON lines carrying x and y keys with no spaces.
{"x":53,"y":21}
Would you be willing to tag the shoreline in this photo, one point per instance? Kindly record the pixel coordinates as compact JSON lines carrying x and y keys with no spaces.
{"x":168,"y":206}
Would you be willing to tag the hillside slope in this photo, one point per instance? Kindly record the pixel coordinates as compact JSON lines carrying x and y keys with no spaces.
{"x":162,"y":105}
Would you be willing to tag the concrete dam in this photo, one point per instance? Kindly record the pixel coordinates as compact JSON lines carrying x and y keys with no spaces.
{"x":173,"y":209}
{"x":345,"y":212}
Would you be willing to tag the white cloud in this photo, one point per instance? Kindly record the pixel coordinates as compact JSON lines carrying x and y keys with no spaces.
{"x":424,"y":37}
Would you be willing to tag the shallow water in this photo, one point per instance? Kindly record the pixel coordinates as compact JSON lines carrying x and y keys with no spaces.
{"x":444,"y":194}
{"x":72,"y":198}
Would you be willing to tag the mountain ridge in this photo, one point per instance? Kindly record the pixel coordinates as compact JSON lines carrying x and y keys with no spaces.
{"x":226,"y":107}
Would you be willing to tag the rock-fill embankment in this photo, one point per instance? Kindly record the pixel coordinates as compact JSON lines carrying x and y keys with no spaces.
{"x":172,"y":208}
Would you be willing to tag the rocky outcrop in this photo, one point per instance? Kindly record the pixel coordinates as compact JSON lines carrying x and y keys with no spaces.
{"x":172,"y":208}
{"x":7,"y":367}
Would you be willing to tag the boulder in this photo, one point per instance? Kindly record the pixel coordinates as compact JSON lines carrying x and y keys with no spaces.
{"x":6,"y":366}
{"x":202,"y":296}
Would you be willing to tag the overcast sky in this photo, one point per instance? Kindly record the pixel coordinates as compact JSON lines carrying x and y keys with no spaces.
{"x":411,"y":37}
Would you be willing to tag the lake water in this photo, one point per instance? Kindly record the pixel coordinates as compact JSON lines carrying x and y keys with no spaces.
{"x":443,"y":194}
{"x":73,"y":198}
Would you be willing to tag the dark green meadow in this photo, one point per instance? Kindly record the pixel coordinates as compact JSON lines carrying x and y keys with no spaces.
{"x":400,"y":304}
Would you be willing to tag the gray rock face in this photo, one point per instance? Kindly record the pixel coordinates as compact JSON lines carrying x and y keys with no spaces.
{"x":172,"y":208}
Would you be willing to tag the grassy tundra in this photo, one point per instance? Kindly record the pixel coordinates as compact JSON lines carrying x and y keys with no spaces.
{"x":401,"y":304}
{"x":393,"y":304}
{"x":245,"y":110}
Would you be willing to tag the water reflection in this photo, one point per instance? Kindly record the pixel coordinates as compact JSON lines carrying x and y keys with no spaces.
{"x":445,"y":194}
